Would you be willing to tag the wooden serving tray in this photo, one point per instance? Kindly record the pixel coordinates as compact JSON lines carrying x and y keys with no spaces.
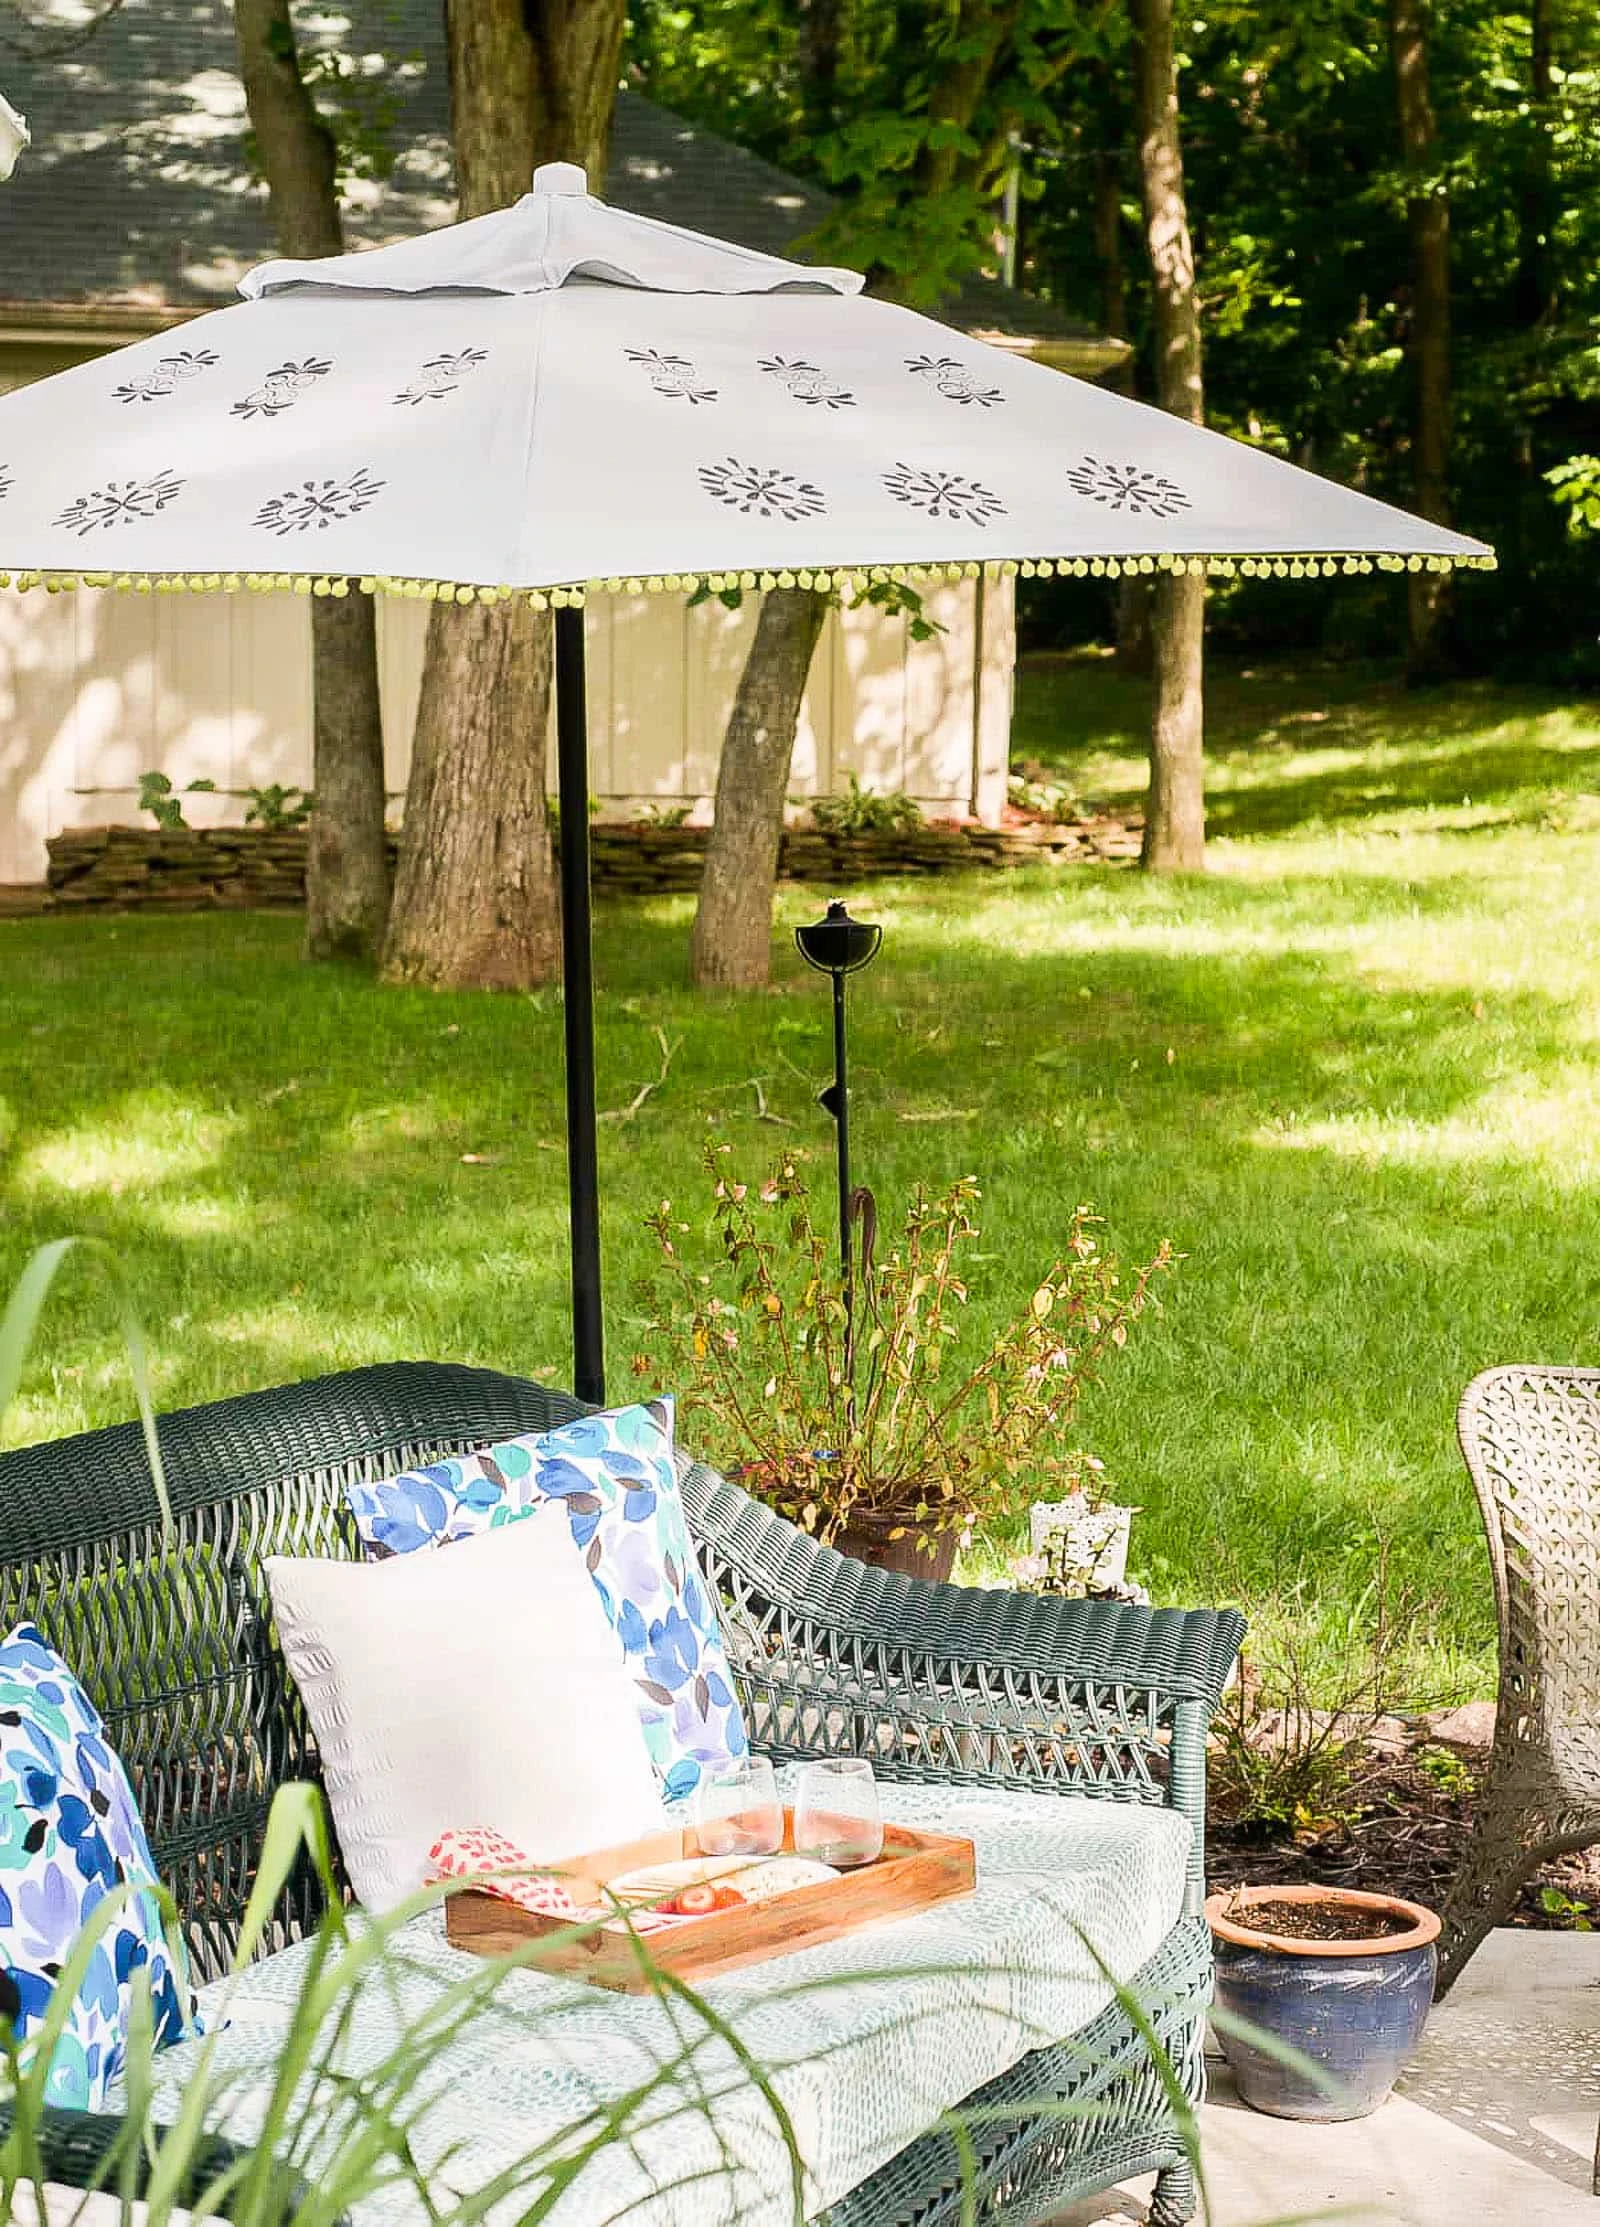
{"x":915,"y":1871}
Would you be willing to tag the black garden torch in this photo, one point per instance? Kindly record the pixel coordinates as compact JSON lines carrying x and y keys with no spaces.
{"x":836,"y":946}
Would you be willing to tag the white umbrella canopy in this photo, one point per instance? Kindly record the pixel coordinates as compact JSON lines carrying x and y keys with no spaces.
{"x":562,"y":395}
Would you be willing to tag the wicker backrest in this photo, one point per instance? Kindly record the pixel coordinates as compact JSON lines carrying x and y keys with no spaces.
{"x":170,"y":1635}
{"x":1531,"y":1438}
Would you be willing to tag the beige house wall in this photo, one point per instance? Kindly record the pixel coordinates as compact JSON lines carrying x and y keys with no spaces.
{"x":98,"y":687}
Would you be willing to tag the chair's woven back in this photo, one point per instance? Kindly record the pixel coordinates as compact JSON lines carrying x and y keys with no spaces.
{"x":1531,"y":1438}
{"x":170,"y":1636}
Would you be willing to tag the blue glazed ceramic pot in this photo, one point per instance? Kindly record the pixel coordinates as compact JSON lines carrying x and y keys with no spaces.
{"x":1355,"y":2009}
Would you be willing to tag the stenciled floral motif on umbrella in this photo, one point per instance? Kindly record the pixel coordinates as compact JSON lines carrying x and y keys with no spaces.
{"x":282,"y":388}
{"x":944,"y":495}
{"x":120,"y":502}
{"x":809,"y":383}
{"x":762,"y":491}
{"x":1128,"y":487}
{"x":318,"y":502}
{"x":168,"y":375}
{"x":954,"y":380}
{"x":441,"y":375}
{"x":673,"y":376}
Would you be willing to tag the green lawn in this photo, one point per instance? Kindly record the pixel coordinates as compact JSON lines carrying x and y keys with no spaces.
{"x":1352,"y":1074}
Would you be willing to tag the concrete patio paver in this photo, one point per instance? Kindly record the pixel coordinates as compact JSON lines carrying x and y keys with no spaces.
{"x":1513,"y":2053}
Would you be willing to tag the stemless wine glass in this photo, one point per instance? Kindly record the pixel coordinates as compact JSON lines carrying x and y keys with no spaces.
{"x":737,"y":1813}
{"x":836,"y":1816}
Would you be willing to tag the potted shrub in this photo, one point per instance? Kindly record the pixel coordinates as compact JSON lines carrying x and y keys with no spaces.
{"x":1078,"y":1547}
{"x":1344,"y":1979}
{"x":894,"y":1441}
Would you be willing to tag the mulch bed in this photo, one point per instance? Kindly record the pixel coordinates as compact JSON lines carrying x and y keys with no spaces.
{"x":1406,"y":1840}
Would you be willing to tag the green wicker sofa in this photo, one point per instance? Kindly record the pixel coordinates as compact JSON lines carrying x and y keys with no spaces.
{"x":935,"y":1682}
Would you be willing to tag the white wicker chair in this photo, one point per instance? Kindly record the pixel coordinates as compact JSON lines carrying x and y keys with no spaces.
{"x":1531,"y":1439}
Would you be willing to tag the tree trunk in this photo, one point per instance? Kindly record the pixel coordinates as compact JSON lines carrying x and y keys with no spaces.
{"x":1535,"y":298}
{"x":1174,"y":831}
{"x":732,"y":945}
{"x":978,"y":38}
{"x":1428,"y":216}
{"x":529,"y":83}
{"x":347,"y":852}
{"x":820,"y":39}
{"x":732,"y":939}
{"x":475,"y":904}
{"x":1175,"y":810}
{"x":347,"y":863}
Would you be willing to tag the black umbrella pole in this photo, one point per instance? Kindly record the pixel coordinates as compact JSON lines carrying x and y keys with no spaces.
{"x":841,"y":1115}
{"x":583,"y":1171}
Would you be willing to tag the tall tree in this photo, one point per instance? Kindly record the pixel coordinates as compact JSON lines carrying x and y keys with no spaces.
{"x":1428,"y":341}
{"x":731,"y":945}
{"x":475,"y":901}
{"x":1175,"y":810}
{"x":347,"y":864}
{"x":821,"y":36}
{"x":1539,"y":197}
{"x":923,"y":158}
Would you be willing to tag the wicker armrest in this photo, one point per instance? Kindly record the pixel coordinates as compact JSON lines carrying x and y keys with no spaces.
{"x":86,"y":2150}
{"x":1184,"y":1654}
{"x":959,"y":1682}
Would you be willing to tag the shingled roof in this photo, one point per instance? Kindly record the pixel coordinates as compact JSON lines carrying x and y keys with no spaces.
{"x":136,"y":207}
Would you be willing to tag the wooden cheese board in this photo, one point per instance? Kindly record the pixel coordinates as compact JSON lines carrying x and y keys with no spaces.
{"x":915,"y":1871}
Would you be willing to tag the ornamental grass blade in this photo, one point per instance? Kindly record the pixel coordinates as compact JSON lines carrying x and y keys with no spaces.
{"x":21,"y":1320}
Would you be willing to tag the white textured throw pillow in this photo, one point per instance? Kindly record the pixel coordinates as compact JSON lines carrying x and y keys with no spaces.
{"x":478,"y":1687}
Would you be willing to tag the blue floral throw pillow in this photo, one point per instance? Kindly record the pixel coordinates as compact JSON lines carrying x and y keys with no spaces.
{"x":70,"y":1833}
{"x":614,"y":1472}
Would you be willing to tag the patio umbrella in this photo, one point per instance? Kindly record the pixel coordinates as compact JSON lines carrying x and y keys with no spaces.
{"x":562,"y":397}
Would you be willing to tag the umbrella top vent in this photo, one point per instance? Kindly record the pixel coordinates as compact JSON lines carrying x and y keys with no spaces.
{"x":557,"y":235}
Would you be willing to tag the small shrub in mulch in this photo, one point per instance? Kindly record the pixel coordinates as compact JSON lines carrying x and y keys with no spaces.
{"x":1400,"y":1831}
{"x":1325,"y":1770}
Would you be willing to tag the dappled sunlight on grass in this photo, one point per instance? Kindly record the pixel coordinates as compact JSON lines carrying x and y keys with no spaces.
{"x":198,"y":1217}
{"x":1554,"y":1133}
{"x":148,"y":1139}
{"x":1298,"y":746}
{"x":1351,"y":1075}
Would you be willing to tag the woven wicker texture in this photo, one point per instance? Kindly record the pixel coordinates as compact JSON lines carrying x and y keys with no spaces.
{"x":1531,"y":1438}
{"x":172,"y":1641}
{"x":87,"y":2149}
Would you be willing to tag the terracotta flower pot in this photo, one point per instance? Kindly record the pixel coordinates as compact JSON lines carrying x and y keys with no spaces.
{"x":1354,"y":2008}
{"x":866,"y":1539}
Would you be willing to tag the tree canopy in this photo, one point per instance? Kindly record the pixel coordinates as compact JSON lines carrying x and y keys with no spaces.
{"x":1298,"y":193}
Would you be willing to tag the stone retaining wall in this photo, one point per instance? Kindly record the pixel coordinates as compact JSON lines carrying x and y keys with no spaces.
{"x":132,"y":869}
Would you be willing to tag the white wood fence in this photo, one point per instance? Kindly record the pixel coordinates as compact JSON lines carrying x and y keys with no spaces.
{"x":98,"y":687}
